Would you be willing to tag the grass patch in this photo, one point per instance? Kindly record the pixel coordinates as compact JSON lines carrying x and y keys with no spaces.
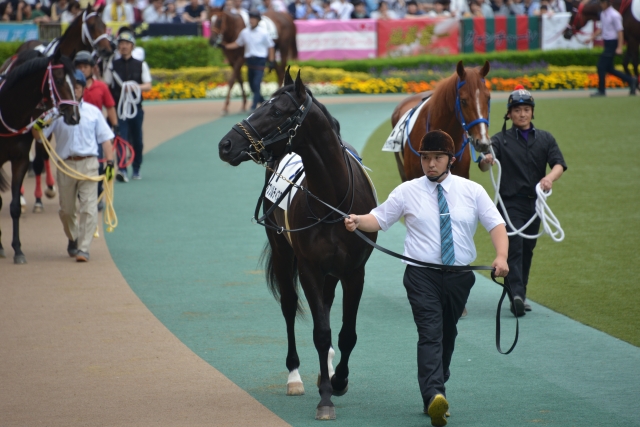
{"x":592,"y":275}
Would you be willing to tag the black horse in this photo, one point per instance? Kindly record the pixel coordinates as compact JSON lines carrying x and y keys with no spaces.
{"x":37,"y":85}
{"x":323,"y":252}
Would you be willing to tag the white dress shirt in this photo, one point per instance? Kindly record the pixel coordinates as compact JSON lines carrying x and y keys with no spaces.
{"x":417,"y":201}
{"x":256,"y":42}
{"x":83,"y":138}
{"x":611,"y":23}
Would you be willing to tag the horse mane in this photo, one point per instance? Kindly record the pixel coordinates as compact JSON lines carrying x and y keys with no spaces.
{"x":335,"y":124}
{"x":35,"y":62}
{"x":445,"y":93}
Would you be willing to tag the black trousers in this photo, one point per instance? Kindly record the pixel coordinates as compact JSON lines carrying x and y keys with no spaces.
{"x":437,"y":300}
{"x":520,"y":210}
{"x":605,"y":65}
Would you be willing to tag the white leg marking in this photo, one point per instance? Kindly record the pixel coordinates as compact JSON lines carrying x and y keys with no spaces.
{"x":294,"y":377}
{"x":483,"y":127}
{"x":332,"y":354}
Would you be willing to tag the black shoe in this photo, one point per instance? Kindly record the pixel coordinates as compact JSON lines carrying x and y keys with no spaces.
{"x":437,"y":409}
{"x":72,"y":248}
{"x":518,"y":307}
{"x":121,"y":176}
{"x":597,"y":94}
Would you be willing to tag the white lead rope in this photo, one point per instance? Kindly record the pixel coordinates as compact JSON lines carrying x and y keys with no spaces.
{"x":550,"y":223}
{"x":130,"y":96}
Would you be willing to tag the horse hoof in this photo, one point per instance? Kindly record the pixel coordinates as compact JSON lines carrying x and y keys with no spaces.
{"x":326,"y":413}
{"x":342,"y":392}
{"x":295,"y":389}
{"x":38,"y":208}
{"x":50,"y":192}
{"x":19,"y":259}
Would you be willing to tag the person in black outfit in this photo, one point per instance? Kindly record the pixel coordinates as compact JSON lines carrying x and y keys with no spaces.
{"x":524,"y":152}
{"x":122,"y":76}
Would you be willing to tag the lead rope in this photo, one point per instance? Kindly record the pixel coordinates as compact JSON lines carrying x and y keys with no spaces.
{"x":550,"y":223}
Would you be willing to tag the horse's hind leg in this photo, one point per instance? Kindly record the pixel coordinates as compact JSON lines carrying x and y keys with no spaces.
{"x":352,"y":287}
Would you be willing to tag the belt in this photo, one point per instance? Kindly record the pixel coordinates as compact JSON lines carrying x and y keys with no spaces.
{"x":75,"y":158}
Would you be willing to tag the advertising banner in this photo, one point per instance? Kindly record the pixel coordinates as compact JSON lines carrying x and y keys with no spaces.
{"x":553,"y":29}
{"x":319,"y":39}
{"x":500,"y":33}
{"x":408,"y":37}
{"x":18,"y":32}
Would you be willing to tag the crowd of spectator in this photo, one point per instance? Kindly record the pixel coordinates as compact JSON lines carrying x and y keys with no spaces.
{"x":195,"y":11}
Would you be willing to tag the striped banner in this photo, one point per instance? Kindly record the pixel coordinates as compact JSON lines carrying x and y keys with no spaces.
{"x":320,"y":39}
{"x":500,"y":33}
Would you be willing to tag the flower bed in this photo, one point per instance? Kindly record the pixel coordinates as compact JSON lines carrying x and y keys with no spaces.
{"x":345,"y":82}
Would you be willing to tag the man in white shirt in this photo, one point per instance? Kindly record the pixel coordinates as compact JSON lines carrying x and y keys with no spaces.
{"x":441,"y":213}
{"x":343,"y":9}
{"x":258,"y":47}
{"x":613,"y":40}
{"x":78,"y":147}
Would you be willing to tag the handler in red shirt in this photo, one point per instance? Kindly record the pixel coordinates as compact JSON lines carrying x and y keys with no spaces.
{"x":97,"y":93}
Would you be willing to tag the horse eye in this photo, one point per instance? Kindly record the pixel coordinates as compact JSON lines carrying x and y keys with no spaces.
{"x":276,"y":113}
{"x":463,"y":101}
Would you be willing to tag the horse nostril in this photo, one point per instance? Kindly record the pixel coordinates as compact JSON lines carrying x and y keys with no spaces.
{"x":224,"y":146}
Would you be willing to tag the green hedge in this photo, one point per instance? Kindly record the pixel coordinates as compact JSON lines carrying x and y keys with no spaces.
{"x":161,"y":52}
{"x":561,"y":58}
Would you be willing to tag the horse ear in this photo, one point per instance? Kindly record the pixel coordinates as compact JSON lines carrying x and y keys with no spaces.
{"x":101,"y":8}
{"x":460,"y":70}
{"x":485,"y":69}
{"x":288,"y":80}
{"x":298,"y":86}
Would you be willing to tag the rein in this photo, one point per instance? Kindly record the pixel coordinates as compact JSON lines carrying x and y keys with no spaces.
{"x":54,"y":95}
{"x":283,"y":132}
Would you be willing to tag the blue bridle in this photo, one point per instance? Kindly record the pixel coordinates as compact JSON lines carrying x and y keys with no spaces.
{"x":460,"y":117}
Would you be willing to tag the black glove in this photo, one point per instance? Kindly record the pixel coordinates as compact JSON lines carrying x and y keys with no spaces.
{"x":108,"y":171}
{"x":271,"y":65}
{"x":116,"y":130}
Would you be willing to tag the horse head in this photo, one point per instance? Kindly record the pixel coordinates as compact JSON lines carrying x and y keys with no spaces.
{"x":87,"y":32}
{"x":581,"y":13}
{"x":472,"y":104}
{"x":218,"y":26}
{"x":278,"y":119}
{"x":61,"y":89}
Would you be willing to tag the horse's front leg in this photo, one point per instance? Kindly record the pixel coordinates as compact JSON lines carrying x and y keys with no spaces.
{"x":329,"y":294}
{"x":352,"y":287}
{"x":312,"y":282}
{"x":18,"y":171}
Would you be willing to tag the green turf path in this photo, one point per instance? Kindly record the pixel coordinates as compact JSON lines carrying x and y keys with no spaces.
{"x":187,"y":248}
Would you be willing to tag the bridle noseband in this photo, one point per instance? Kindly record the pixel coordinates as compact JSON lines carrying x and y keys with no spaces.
{"x":86,"y":34}
{"x":261,"y":152}
{"x":465,"y":135}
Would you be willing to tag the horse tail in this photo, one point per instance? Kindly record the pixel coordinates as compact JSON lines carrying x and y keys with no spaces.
{"x":4,"y":182}
{"x":272,"y":281}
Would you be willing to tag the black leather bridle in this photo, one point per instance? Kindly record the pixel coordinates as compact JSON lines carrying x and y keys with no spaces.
{"x":261,"y":152}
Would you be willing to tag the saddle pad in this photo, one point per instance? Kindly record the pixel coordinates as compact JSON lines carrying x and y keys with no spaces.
{"x":288,"y":166}
{"x":635,"y":9}
{"x":400,"y":133}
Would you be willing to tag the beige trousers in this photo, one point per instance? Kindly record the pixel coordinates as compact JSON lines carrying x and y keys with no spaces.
{"x":79,"y":202}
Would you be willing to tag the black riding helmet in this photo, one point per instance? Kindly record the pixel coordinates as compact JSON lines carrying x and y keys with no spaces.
{"x":520,"y":96}
{"x":84,"y":57}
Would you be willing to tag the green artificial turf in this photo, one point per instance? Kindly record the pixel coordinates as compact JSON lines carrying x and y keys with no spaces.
{"x":591,"y":276}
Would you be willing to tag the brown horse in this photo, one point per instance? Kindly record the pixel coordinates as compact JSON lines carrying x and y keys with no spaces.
{"x":585,"y":11}
{"x":459,"y":106}
{"x":40,"y":81}
{"x":321,"y":252}
{"x":86,"y":32}
{"x":226,"y":28}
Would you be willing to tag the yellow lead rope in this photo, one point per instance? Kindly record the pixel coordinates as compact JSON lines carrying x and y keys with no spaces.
{"x":109,"y":213}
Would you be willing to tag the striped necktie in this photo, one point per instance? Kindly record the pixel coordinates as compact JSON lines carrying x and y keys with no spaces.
{"x":446,"y":236}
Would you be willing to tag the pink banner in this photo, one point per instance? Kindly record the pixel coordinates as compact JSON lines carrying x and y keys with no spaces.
{"x":319,"y":39}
